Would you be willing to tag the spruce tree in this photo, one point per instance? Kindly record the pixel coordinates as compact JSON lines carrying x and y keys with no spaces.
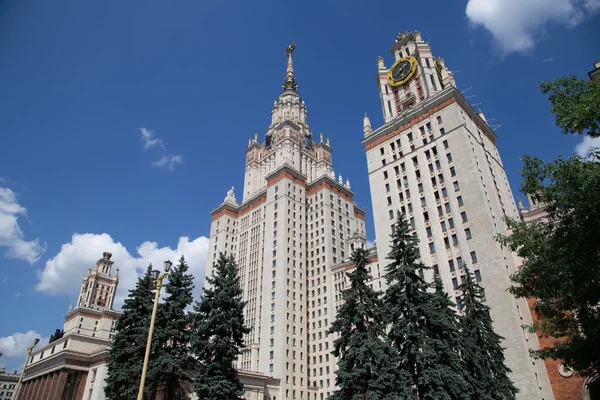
{"x":482,"y":354}
{"x":366,"y":360}
{"x":418,"y":323}
{"x":218,"y":334}
{"x":173,"y":365}
{"x":129,"y":345}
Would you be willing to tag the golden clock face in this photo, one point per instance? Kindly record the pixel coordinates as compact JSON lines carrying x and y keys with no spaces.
{"x":402,"y":71}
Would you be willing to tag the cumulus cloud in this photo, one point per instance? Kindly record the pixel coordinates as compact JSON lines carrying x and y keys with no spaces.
{"x":14,"y":348}
{"x":11,"y":235}
{"x":63,"y":273}
{"x":584,"y":147}
{"x":515,"y":25}
{"x":149,"y":140}
{"x":169,"y":161}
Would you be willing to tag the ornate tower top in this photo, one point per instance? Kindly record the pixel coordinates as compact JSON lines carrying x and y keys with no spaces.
{"x":290,"y":81}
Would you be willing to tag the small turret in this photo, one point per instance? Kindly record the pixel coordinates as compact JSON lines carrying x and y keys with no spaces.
{"x":367,"y":125}
{"x":380,"y":64}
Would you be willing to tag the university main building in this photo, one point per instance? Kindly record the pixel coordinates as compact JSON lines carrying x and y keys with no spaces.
{"x":435,"y":159}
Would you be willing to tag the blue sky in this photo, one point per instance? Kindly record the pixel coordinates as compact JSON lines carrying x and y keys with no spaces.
{"x":123,"y":124}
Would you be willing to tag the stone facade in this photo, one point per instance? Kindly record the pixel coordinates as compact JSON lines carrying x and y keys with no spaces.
{"x":60,"y":370}
{"x":296,"y":220}
{"x":435,"y":159}
{"x":8,"y":383}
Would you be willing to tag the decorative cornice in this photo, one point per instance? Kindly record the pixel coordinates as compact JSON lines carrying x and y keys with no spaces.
{"x":413,"y":116}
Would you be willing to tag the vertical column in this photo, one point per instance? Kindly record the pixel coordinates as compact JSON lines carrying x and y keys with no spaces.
{"x":36,"y":389}
{"x":81,"y":385}
{"x":23,"y":392}
{"x":61,"y":381}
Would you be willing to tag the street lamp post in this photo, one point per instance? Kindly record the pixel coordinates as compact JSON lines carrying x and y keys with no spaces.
{"x":29,"y":350}
{"x":158,"y":279}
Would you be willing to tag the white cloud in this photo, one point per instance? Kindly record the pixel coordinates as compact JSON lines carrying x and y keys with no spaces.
{"x":583,"y":148}
{"x":169,"y":161}
{"x":516,"y":24}
{"x":547,"y":60}
{"x":11,"y":235}
{"x":149,"y":140}
{"x":63,"y":273}
{"x":14,"y":348}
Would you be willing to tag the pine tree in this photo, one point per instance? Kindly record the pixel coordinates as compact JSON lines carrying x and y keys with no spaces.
{"x":129,"y":344}
{"x":366,"y":360}
{"x":218,"y":334}
{"x":482,"y":354}
{"x":418,"y":324}
{"x":173,"y":365}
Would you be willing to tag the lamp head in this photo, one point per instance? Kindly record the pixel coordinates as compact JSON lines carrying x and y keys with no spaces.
{"x":36,"y":341}
{"x":155,"y":274}
{"x":168,"y":265}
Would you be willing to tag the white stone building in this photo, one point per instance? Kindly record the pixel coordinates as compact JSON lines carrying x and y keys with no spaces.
{"x":435,"y":159}
{"x":74,"y":367}
{"x":295,"y":221}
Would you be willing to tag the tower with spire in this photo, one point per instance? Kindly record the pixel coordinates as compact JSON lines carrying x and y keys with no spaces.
{"x":296,"y":220}
{"x":93,"y":314}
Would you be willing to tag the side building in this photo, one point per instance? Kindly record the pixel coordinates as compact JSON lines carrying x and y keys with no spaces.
{"x":8,"y":383}
{"x":295,"y":221}
{"x":74,"y":366}
{"x":435,"y":159}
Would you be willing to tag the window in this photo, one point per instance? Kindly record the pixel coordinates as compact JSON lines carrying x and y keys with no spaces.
{"x":443,"y":223}
{"x":431,"y":248}
{"x":428,"y":231}
{"x":468,"y":233}
{"x":439,"y":119}
{"x":451,"y":264}
{"x":436,"y":270}
{"x":389,"y":201}
{"x":387,"y":187}
{"x":456,"y":186}
{"x":455,"y":283}
{"x":445,"y":143}
{"x":391,"y":214}
{"x":385,"y":175}
{"x":460,"y":201}
{"x":460,"y":263}
{"x":449,"y":157}
{"x":474,"y":261}
{"x":463,"y":215}
{"x":454,"y":240}
{"x":442,"y":131}
{"x":478,"y":275}
{"x":452,"y":171}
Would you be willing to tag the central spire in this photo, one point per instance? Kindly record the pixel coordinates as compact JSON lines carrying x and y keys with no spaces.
{"x":290,"y":81}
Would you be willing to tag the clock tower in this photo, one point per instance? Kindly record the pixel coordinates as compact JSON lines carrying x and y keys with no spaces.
{"x":414,"y":76}
{"x":435,"y":159}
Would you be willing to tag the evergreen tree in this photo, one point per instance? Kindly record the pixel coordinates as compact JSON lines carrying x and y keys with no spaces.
{"x":366,"y":360}
{"x":419,"y":323}
{"x":482,"y":354}
{"x":218,"y":334}
{"x":129,"y":344}
{"x":173,"y":364}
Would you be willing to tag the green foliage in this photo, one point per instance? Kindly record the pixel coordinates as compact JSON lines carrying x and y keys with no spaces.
{"x":366,"y":361}
{"x":576,"y":104}
{"x":561,"y":259}
{"x":129,"y":344}
{"x":482,"y":354}
{"x":173,"y":364}
{"x":423,"y":328}
{"x":218,"y":334}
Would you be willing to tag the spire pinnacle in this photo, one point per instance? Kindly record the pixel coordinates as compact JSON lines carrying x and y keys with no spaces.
{"x":290,"y":81}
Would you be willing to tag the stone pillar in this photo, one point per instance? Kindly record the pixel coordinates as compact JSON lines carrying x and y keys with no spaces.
{"x":44,"y":386}
{"x":81,"y":382}
{"x":52,"y":388}
{"x":61,"y":380}
{"x":24,"y":391}
{"x":36,"y":389}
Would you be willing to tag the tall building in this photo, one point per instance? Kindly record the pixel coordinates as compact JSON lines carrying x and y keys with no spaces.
{"x":435,"y":159}
{"x":295,"y":221}
{"x":74,"y":366}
